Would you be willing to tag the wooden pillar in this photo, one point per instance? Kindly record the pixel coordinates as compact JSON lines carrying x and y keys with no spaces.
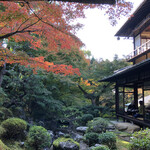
{"x":124,"y":103}
{"x":117,"y":99}
{"x":136,"y":96}
{"x":143,"y":102}
{"x":124,"y":99}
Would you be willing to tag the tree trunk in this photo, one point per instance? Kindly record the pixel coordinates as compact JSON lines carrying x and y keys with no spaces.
{"x":2,"y":72}
{"x":97,"y":100}
{"x":94,"y":99}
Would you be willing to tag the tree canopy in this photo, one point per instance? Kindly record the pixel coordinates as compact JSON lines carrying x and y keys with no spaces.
{"x":47,"y":26}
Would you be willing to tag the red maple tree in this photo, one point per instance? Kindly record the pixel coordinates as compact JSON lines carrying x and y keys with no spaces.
{"x":44,"y":22}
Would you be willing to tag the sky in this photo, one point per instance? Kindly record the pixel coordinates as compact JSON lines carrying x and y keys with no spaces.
{"x":98,"y":35}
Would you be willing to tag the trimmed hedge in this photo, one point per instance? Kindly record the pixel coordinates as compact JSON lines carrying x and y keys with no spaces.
{"x":14,"y":128}
{"x":38,"y":138}
{"x":109,"y":139}
{"x":92,"y":138}
{"x":97,"y":125}
{"x":85,"y":118}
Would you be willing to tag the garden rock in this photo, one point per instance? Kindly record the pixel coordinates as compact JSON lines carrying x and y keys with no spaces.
{"x":128,"y":127}
{"x":77,"y":137}
{"x":59,"y":134}
{"x":83,"y":146}
{"x":46,"y":149}
{"x":96,"y":145}
{"x":65,"y":144}
{"x":51,"y":134}
{"x":110,"y":127}
{"x":68,"y":146}
{"x":21,"y":144}
{"x":81,"y":129}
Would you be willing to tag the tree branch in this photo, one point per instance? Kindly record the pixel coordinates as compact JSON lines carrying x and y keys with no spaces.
{"x":50,"y":24}
{"x":13,"y":33}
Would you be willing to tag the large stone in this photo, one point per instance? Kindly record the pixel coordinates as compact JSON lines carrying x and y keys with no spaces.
{"x":65,"y":144}
{"x":81,"y":129}
{"x":110,"y":127}
{"x":128,"y":127}
{"x":77,"y":137}
{"x":83,"y":146}
{"x":68,"y":146}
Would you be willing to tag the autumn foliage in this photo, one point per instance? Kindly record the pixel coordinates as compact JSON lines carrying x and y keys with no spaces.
{"x":46,"y":25}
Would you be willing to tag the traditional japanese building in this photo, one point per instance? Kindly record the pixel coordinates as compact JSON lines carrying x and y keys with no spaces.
{"x":134,"y":80}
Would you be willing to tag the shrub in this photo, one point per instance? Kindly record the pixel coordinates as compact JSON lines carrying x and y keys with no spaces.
{"x":102,"y":147}
{"x":90,"y":109}
{"x":97,"y":125}
{"x":38,"y":138}
{"x":109,"y":139}
{"x":140,"y":140}
{"x":14,"y":127}
{"x":92,"y":138}
{"x":85,"y":118}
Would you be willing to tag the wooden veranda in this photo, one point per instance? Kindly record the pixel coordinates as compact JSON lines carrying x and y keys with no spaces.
{"x":133,"y":81}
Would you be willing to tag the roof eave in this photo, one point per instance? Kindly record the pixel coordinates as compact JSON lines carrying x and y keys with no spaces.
{"x":115,"y":76}
{"x":129,"y":34}
{"x":110,"y":2}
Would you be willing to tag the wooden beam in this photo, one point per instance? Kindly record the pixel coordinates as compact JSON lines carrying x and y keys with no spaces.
{"x":110,"y":2}
{"x":90,"y":1}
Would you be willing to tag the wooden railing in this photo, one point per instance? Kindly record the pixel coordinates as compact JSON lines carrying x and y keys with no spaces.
{"x":139,"y":50}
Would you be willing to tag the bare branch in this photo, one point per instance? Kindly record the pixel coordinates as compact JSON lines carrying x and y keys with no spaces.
{"x":23,"y":23}
{"x":48,"y":23}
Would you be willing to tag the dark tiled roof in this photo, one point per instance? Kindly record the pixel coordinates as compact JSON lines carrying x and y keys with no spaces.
{"x":127,"y":70}
{"x":142,"y":11}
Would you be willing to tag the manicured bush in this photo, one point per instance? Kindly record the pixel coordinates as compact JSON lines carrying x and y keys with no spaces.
{"x":109,"y":139}
{"x":97,"y":125}
{"x":102,"y":147}
{"x":85,"y":118}
{"x":92,"y":138}
{"x":14,"y":128}
{"x":140,"y":140}
{"x":38,"y":138}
